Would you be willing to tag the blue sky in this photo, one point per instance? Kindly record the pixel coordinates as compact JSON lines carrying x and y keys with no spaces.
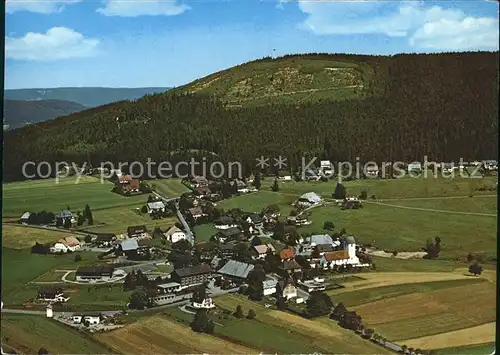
{"x":52,"y":43}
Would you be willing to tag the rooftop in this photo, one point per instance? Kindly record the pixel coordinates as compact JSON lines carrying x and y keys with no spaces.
{"x":236,"y":269}
{"x":263,"y":248}
{"x":169,"y":285}
{"x":311,"y":197}
{"x":321,"y":239}
{"x":193,"y":270}
{"x":129,"y":244}
{"x":156,"y":205}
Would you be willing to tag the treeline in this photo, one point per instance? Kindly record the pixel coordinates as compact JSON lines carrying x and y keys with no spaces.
{"x":443,"y":106}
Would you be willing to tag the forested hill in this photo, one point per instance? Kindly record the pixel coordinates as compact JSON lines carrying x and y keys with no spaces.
{"x":17,"y":113}
{"x":440,"y":105}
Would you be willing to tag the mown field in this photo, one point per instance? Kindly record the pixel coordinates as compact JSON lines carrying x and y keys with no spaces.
{"x":27,"y":334}
{"x":17,"y":237}
{"x":112,"y":213}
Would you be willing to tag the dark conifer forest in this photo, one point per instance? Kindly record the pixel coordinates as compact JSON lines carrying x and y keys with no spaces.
{"x":444,"y":106}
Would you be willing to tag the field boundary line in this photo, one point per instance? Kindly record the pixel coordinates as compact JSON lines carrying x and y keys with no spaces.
{"x":432,"y":210}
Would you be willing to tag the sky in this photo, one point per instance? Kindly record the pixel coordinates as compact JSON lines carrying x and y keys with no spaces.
{"x":166,"y":43}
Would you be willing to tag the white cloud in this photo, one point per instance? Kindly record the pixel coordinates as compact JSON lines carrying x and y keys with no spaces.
{"x":142,"y":8}
{"x":57,"y":43}
{"x":424,"y":26}
{"x":466,"y":34}
{"x":38,"y":6}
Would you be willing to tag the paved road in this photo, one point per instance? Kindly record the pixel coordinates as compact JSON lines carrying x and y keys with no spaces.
{"x":189,"y":233}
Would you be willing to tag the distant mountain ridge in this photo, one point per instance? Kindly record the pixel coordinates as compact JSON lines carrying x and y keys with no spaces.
{"x":18,"y":113}
{"x":85,"y":96}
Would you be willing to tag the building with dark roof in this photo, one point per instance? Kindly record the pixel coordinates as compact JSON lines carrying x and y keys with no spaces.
{"x":193,"y":275}
{"x":227,"y":235}
{"x":236,"y":270}
{"x":137,"y":231}
{"x":94,"y":273}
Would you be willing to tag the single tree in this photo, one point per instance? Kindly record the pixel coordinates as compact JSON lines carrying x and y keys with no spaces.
{"x":200,"y":321}
{"x":239,"y":312}
{"x":476,"y":269}
{"x":328,"y":226}
{"x":256,"y":277}
{"x":78,"y":258}
{"x":210,"y":327}
{"x":317,"y":304}
{"x":340,"y":192}
{"x":256,"y":181}
{"x":42,"y":351}
{"x":470,"y":257}
{"x":139,"y":299}
{"x":251,"y":314}
{"x":275,"y":187}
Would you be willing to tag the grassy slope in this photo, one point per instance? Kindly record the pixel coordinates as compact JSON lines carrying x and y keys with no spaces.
{"x":30,"y":333}
{"x":481,"y":349}
{"x":22,"y":237}
{"x":287,"y":81}
{"x":355,"y":298}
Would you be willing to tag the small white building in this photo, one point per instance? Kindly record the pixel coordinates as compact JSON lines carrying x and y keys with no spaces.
{"x":225,"y":222}
{"x":170,"y":287}
{"x":174,"y":234}
{"x":59,"y":248}
{"x":309,"y":199}
{"x":206,"y":304}
{"x":25,"y":218}
{"x":269,"y":287}
{"x":155,"y":207}
{"x":48,"y":311}
{"x":92,"y":319}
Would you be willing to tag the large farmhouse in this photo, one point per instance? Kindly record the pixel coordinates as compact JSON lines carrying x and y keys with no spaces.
{"x":103,"y":273}
{"x":193,"y":275}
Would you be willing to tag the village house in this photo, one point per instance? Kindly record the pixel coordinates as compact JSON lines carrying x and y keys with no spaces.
{"x":287,"y":254}
{"x":345,"y":256}
{"x":196,"y":212}
{"x":371,"y":171}
{"x":254,"y":219}
{"x":138,"y":232}
{"x":312,"y":285}
{"x":202,"y":191}
{"x":105,"y":240}
{"x":70,"y":242}
{"x":65,"y":217}
{"x":25,"y":218}
{"x":199,"y":181}
{"x":326,"y":167}
{"x":193,"y":275}
{"x":290,"y":268}
{"x":311,"y":175}
{"x":58,"y":248}
{"x":414,"y":168}
{"x":240,"y":185}
{"x":225,"y":222}
{"x":260,"y":251}
{"x":235,"y":271}
{"x":228,"y":235}
{"x":51,"y":294}
{"x":127,"y":185}
{"x":132,"y":246}
{"x":170,"y":287}
{"x":155,"y":207}
{"x":228,"y":250}
{"x":298,"y":220}
{"x":174,"y":234}
{"x":286,"y":289}
{"x":309,"y":199}
{"x":269,"y":287}
{"x":100,"y":273}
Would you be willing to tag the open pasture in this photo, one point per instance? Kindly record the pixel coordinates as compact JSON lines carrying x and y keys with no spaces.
{"x":169,"y":187}
{"x":408,"y":230}
{"x":402,"y":188}
{"x":158,"y":335}
{"x":116,"y":220}
{"x":256,"y":202}
{"x":27,"y":334}
{"x":52,"y":195}
{"x":422,"y":314}
{"x":17,"y":237}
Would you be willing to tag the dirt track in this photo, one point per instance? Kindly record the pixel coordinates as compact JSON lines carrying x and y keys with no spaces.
{"x":480,"y":334}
